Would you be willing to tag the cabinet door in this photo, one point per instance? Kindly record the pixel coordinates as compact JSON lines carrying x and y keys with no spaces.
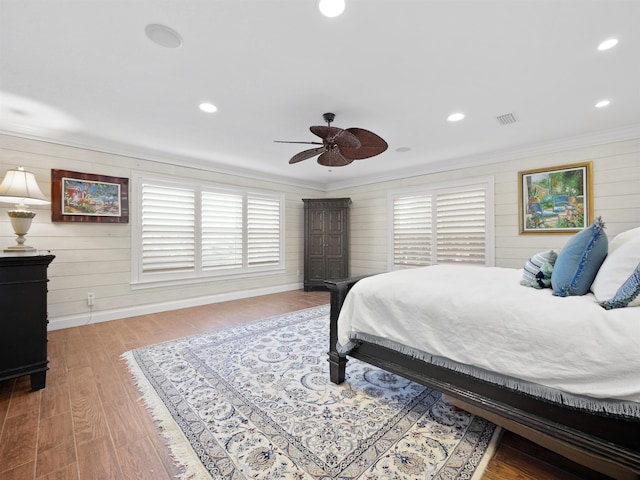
{"x":24,"y":326}
{"x":316,"y":244}
{"x":335,"y":251}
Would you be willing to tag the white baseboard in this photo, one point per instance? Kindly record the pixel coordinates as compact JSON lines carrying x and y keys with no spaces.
{"x":58,"y":323}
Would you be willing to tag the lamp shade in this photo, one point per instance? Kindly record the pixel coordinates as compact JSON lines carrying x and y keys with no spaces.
{"x":20,"y":187}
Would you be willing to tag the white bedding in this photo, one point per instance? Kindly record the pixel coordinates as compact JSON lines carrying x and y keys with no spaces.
{"x":483,"y":317}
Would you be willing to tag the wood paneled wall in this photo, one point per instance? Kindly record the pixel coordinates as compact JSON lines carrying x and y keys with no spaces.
{"x":97,"y":257}
{"x":92,"y":257}
{"x":616,"y":198}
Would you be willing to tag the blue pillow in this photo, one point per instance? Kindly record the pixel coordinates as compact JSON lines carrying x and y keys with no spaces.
{"x":579,"y":261}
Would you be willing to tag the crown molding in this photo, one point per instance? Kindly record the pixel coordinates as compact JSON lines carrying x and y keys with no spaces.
{"x":629,"y":132}
{"x":182,"y":160}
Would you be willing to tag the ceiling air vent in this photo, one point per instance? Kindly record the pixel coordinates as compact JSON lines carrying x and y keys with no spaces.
{"x":507,"y":119}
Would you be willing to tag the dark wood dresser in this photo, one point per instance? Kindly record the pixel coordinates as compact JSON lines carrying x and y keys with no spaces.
{"x":23,"y":317}
{"x":326,"y":240}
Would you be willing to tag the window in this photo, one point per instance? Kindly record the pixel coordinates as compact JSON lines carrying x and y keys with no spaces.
{"x":442,"y":225}
{"x":188,"y":230}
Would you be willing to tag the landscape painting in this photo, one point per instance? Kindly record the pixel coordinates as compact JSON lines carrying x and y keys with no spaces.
{"x":555,"y":200}
{"x":86,"y":197}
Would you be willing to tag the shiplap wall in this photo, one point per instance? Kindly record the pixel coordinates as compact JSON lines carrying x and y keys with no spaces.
{"x":616,"y":198}
{"x":97,"y":257}
{"x":93,"y":257}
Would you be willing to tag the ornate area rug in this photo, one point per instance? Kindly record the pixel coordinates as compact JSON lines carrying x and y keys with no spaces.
{"x":255,"y":402}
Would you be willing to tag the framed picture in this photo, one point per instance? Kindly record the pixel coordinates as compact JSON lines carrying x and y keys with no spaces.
{"x":555,"y":200}
{"x":84,"y":197}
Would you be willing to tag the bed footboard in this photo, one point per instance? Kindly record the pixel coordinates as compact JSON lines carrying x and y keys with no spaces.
{"x":339,"y":290}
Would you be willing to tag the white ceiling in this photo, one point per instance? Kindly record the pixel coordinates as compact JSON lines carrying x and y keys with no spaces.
{"x":273,"y":67}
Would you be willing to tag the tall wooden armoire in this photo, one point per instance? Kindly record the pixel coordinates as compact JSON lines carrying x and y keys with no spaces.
{"x":326,"y":240}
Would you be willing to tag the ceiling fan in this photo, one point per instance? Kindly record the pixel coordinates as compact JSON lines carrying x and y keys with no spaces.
{"x":340,"y":146}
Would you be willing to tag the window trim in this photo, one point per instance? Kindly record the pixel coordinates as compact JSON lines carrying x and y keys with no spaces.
{"x":487,"y":183}
{"x":198,"y":275}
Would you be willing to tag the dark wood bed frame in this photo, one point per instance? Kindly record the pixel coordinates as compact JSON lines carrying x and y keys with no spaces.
{"x":605,"y":443}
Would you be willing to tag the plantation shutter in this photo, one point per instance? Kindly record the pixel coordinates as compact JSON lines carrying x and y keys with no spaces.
{"x":263,"y":230}
{"x":189,"y":230}
{"x":461,"y":226}
{"x":168,"y":229}
{"x":412,"y":231}
{"x":221,"y":230}
{"x":451,"y":224}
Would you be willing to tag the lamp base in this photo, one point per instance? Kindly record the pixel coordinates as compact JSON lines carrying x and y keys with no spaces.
{"x":20,"y":249}
{"x":21,"y":222}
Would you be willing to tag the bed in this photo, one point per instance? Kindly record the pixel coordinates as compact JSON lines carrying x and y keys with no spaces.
{"x":563,"y":372}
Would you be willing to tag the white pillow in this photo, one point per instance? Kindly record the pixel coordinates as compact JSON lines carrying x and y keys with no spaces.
{"x":617,"y":283}
{"x":623,"y":238}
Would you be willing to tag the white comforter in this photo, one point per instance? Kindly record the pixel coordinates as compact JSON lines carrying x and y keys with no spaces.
{"x":484,"y":318}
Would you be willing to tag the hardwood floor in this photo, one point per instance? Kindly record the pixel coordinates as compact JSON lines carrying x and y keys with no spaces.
{"x":88,"y":423}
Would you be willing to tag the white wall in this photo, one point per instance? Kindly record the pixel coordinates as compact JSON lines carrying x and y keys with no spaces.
{"x":616,"y":198}
{"x":92,"y":257}
{"x":97,"y":257}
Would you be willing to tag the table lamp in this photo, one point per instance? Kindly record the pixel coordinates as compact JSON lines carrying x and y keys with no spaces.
{"x":20,"y":188}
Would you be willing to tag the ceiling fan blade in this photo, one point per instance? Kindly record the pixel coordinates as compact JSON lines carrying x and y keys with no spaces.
{"x":336,"y":135}
{"x":298,"y":157}
{"x":325,"y":132}
{"x":333,"y":158}
{"x":370,"y":145}
{"x":306,"y":143}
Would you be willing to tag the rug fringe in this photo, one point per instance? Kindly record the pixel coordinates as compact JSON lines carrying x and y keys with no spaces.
{"x":181,"y":450}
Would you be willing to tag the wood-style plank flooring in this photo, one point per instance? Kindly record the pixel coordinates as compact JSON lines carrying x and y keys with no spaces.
{"x":89,"y":424}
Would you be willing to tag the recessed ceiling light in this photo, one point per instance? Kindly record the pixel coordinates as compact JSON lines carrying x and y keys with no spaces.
{"x":208,"y":107}
{"x":163,"y":35}
{"x":607,"y":44}
{"x":331,"y":8}
{"x":455,"y":117}
{"x":602,"y":103}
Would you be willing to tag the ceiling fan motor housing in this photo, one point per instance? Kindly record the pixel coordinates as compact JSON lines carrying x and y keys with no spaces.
{"x":329,"y":117}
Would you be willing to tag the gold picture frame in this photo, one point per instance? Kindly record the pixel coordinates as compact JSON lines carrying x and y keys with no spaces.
{"x":555,"y":199}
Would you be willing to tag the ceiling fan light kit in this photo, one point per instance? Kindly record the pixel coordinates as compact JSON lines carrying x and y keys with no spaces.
{"x":340,"y":147}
